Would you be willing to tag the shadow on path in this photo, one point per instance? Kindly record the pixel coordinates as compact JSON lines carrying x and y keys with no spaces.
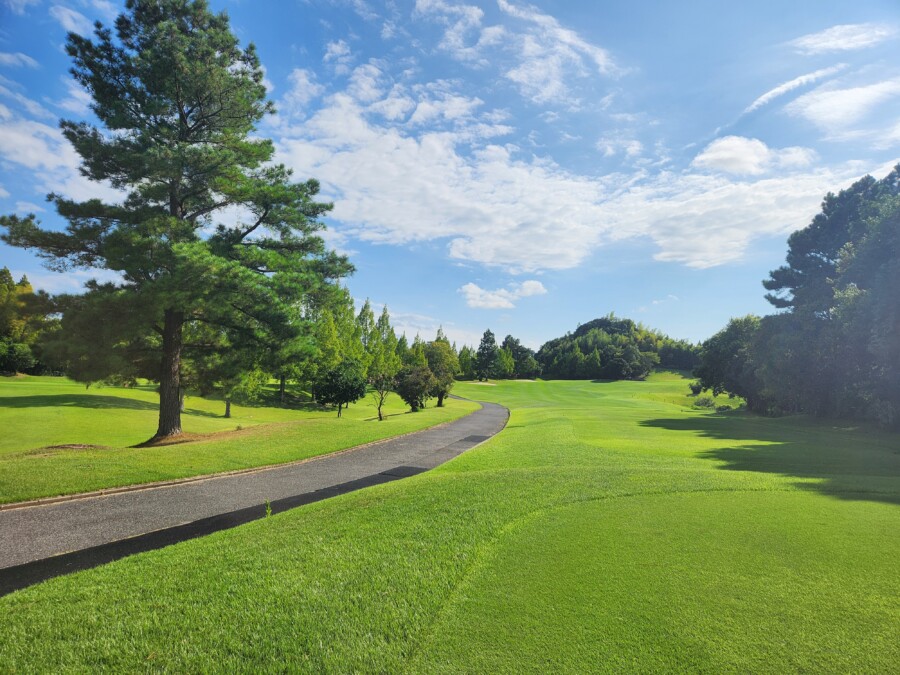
{"x":843,"y":462}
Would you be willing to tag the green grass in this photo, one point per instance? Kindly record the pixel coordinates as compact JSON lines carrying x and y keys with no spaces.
{"x":610,"y":527}
{"x":37,"y":413}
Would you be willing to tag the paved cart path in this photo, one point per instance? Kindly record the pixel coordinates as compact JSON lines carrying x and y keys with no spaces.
{"x":41,"y":541}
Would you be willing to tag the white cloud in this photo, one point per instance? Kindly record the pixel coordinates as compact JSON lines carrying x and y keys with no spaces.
{"x":446,"y":107}
{"x":28,"y":207}
{"x":365,"y":83}
{"x":104,"y":7}
{"x":304,"y":88}
{"x":32,"y":107}
{"x":19,"y":6}
{"x":501,"y":298}
{"x":836,"y":110}
{"x":546,"y":56}
{"x":412,"y":324}
{"x":71,"y":21}
{"x":611,"y":146}
{"x":499,"y":206}
{"x":550,"y":55}
{"x":750,"y":157}
{"x":3,"y":193}
{"x":339,"y":54}
{"x":78,"y":100}
{"x":708,"y":220}
{"x":43,"y":150}
{"x":17,"y":59}
{"x":845,"y":37}
{"x":790,"y":85}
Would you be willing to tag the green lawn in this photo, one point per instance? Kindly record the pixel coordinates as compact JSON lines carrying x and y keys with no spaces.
{"x":610,"y":527}
{"x":40,"y":414}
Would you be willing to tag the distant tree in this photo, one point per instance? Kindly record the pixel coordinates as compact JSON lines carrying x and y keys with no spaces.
{"x":178,"y":101}
{"x":23,"y":317}
{"x":523,"y":357}
{"x":467,"y":363}
{"x":415,"y":384}
{"x":341,"y":385}
{"x":15,"y":357}
{"x":529,"y":367}
{"x":365,"y":322}
{"x":403,"y":348}
{"x":385,"y":363}
{"x":506,"y":365}
{"x":608,"y":348}
{"x":444,"y":365}
{"x":486,"y":358}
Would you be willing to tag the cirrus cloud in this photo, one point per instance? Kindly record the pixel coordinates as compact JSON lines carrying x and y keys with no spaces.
{"x":845,"y":37}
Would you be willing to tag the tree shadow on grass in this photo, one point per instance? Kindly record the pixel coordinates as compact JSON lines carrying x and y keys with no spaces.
{"x":853,"y":463}
{"x":76,"y":401}
{"x":90,"y":402}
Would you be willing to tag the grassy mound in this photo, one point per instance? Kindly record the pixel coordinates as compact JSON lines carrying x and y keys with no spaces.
{"x":610,"y":527}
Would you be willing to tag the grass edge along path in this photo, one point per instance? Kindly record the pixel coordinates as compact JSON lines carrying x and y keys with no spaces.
{"x":608,"y":527}
{"x":272,"y":440}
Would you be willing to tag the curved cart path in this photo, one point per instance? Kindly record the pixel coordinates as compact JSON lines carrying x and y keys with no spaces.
{"x":46,"y":540}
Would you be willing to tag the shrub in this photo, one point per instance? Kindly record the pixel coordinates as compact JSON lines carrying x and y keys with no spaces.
{"x":696,"y":388}
{"x":704,"y":402}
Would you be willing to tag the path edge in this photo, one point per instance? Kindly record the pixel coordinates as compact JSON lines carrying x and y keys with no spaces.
{"x":46,"y":501}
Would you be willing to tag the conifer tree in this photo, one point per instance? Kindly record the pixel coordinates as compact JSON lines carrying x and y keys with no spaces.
{"x":178,"y":101}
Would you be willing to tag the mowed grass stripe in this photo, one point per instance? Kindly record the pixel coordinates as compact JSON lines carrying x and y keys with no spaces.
{"x":584,"y":537}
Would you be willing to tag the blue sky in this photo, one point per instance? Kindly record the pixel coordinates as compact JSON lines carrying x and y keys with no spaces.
{"x":525,"y":167}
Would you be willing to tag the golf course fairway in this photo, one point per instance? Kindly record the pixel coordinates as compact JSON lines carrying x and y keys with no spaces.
{"x":610,"y":527}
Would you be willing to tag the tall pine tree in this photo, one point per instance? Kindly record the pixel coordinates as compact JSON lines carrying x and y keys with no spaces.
{"x":178,"y":101}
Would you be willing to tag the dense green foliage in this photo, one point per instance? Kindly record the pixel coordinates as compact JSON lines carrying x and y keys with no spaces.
{"x":443,"y":364}
{"x":834,"y":350}
{"x":341,"y":385}
{"x":179,"y":101}
{"x":384,"y":361}
{"x":609,"y":527}
{"x":613,"y":349}
{"x":23,"y":315}
{"x":60,"y":438}
{"x":487,"y":356}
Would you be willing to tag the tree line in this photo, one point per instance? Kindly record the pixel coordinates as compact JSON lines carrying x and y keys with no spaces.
{"x":607,"y":348}
{"x":832,"y":349}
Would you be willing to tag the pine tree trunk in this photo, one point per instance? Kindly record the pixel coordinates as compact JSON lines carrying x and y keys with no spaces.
{"x":227,"y":408}
{"x":339,"y":409}
{"x":170,"y":377}
{"x":281,"y":389}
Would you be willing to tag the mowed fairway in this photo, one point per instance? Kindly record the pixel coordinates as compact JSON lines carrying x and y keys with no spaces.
{"x":608,"y":528}
{"x":60,"y":438}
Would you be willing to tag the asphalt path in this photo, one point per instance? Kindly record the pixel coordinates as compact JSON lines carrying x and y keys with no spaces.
{"x":41,"y":541}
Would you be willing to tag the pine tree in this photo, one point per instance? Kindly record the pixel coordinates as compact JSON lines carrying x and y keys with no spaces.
{"x":179,"y":100}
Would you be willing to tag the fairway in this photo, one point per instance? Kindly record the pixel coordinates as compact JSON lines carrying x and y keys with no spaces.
{"x":62,"y":438}
{"x":609,"y":527}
